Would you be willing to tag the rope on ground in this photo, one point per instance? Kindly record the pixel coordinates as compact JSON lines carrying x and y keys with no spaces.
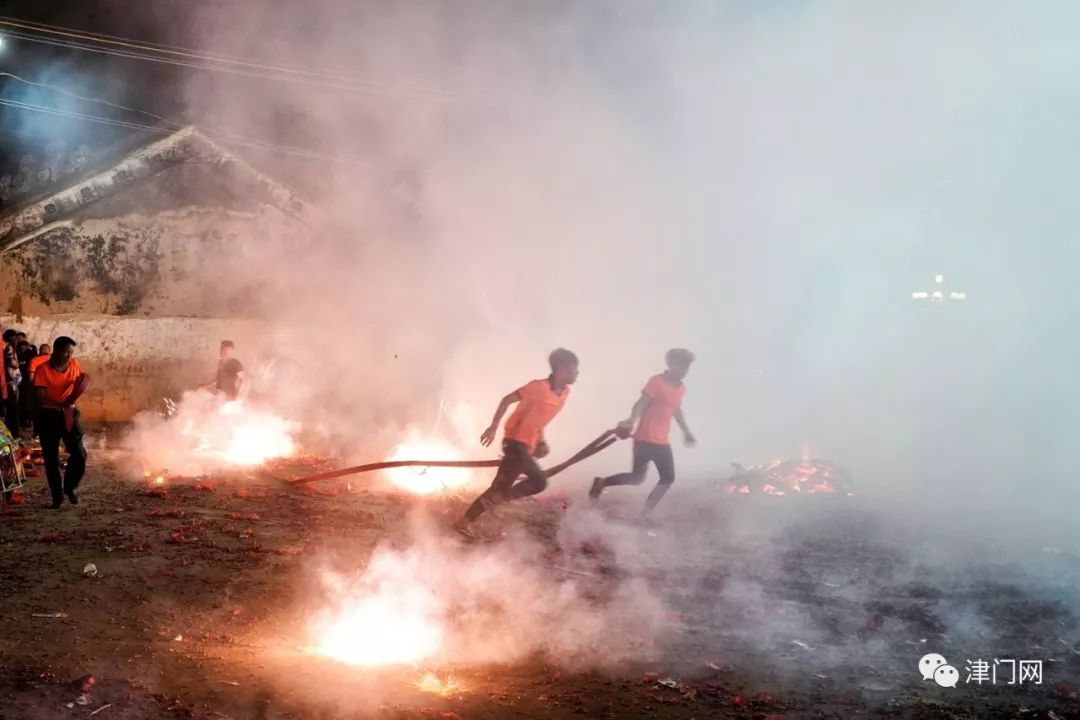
{"x":608,"y":438}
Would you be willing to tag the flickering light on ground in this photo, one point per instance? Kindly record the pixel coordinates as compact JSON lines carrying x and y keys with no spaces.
{"x":201,"y":435}
{"x":254,"y":437}
{"x":243,"y":436}
{"x":390,"y":628}
{"x":431,"y":683}
{"x":425,"y":481}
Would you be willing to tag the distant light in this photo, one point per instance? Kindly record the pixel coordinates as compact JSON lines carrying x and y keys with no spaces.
{"x":938,"y":295}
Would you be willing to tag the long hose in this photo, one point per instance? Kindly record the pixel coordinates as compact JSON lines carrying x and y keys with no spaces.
{"x":608,"y":438}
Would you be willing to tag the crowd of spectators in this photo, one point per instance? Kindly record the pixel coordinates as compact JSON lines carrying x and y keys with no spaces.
{"x":20,"y":363}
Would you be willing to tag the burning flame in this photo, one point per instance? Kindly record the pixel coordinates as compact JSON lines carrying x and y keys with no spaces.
{"x":780,"y":478}
{"x":254,"y":436}
{"x":377,"y":631}
{"x":387,"y":617}
{"x":430,"y":683}
{"x":425,"y":481}
{"x":202,"y":434}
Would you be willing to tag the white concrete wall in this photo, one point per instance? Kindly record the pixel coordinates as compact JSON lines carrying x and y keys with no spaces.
{"x":135,"y":362}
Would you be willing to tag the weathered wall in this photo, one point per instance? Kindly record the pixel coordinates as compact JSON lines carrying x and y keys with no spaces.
{"x":136,"y":362}
{"x":194,"y":262}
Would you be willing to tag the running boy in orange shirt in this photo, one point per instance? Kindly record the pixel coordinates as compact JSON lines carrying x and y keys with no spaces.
{"x":523,"y":437}
{"x":660,"y":401}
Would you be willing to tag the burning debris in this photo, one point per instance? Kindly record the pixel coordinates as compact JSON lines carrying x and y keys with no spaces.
{"x":792,"y":477}
{"x":428,"y":480}
{"x":446,"y":687}
{"x":203,"y":434}
{"x":434,"y":603}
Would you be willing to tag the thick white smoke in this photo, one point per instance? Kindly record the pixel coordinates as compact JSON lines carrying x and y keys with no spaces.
{"x":764,"y":184}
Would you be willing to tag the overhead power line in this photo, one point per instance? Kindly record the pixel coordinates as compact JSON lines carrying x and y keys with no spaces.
{"x":106,"y":45}
{"x":83,"y":98}
{"x":148,"y":47}
{"x":219,"y":137}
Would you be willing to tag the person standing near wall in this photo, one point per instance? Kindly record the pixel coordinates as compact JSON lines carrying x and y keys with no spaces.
{"x":12,"y":379}
{"x":25,"y":352}
{"x":35,"y":362}
{"x":38,"y":360}
{"x":59,"y":383}
{"x":230,"y":380}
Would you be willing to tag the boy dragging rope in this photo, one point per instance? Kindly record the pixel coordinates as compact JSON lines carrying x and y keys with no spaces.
{"x":660,"y":402}
{"x":539,"y":402}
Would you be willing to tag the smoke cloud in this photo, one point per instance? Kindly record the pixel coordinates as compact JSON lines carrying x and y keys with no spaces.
{"x":766,"y":185}
{"x":435,"y":602}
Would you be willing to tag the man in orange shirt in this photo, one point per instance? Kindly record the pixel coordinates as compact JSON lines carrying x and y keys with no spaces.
{"x":60,"y":383}
{"x":660,"y":401}
{"x":35,"y":362}
{"x":523,"y":437}
{"x":38,"y":360}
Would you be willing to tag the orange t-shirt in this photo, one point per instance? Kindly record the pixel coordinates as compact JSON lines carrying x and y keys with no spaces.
{"x":35,"y":363}
{"x":539,"y":404}
{"x":664,"y":400}
{"x":58,"y":385}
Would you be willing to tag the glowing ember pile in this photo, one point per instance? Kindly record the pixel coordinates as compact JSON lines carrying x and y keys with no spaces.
{"x":202,"y":434}
{"x":794,"y":477}
{"x":425,"y":481}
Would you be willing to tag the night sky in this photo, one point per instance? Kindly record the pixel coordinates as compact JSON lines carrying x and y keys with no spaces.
{"x":150,"y":86}
{"x":141,"y":84}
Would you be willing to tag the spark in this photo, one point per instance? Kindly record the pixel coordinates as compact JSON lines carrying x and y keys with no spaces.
{"x":430,"y":683}
{"x":425,"y":481}
{"x":387,"y":617}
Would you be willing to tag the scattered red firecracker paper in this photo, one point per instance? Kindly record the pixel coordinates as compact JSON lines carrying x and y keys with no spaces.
{"x":1067,"y":690}
{"x":442,"y":714}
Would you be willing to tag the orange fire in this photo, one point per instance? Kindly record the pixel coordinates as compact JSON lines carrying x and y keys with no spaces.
{"x":425,"y":481}
{"x":778,"y":478}
{"x":431,"y":683}
{"x":254,"y":436}
{"x":388,"y":617}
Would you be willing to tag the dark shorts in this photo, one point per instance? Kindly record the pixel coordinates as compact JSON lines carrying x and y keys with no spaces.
{"x":659,"y":455}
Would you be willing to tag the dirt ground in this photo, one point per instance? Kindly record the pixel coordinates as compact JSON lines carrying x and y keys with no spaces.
{"x":199,"y":589}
